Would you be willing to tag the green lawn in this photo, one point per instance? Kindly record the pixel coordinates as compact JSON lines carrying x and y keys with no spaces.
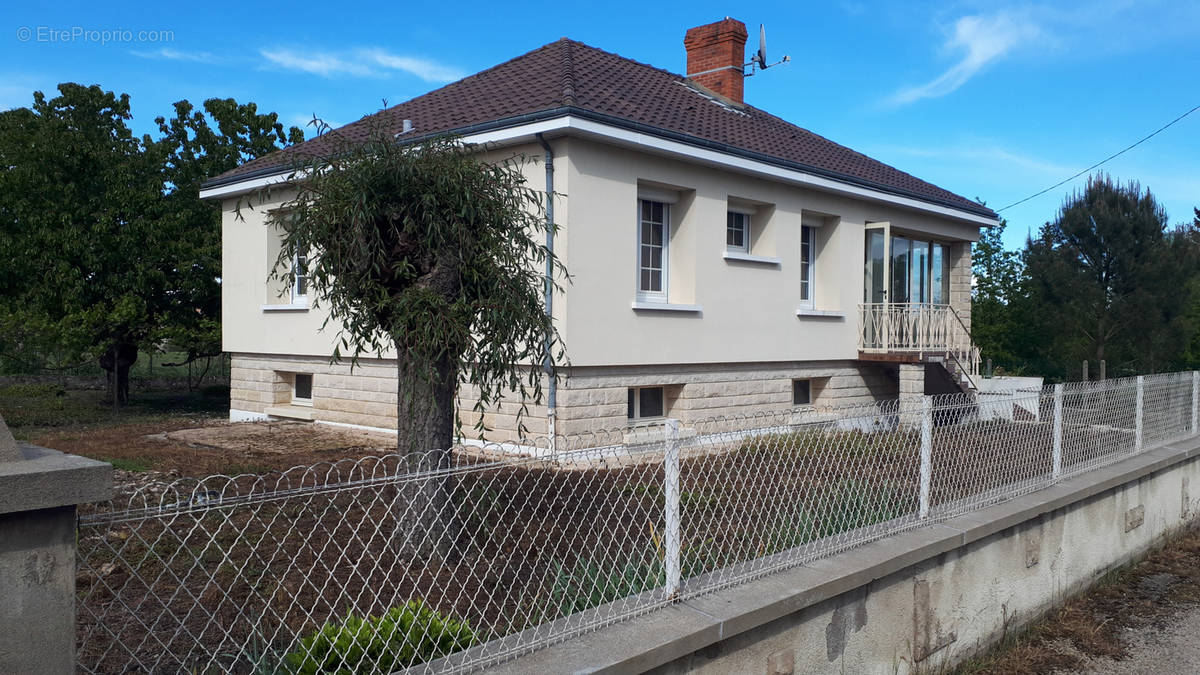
{"x":29,"y":409}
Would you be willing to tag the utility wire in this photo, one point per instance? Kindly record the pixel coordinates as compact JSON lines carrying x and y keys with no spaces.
{"x":1103,"y":161}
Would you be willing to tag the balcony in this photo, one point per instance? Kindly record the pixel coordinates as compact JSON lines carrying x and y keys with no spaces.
{"x":916,"y":332}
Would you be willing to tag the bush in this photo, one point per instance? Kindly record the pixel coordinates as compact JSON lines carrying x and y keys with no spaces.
{"x":402,"y":637}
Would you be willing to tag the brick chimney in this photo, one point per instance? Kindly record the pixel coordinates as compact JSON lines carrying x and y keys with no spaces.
{"x":715,"y":54}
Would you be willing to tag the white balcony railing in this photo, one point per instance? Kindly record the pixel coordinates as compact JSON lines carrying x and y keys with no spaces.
{"x":919,"y":329}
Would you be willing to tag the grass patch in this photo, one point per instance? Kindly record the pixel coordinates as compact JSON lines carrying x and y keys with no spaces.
{"x":30,"y":409}
{"x":1097,"y":622}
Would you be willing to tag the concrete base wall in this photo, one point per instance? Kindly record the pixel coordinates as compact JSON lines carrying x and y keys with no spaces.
{"x":944,"y":610}
{"x":37,"y":582}
{"x":589,"y":399}
{"x":920,"y":601}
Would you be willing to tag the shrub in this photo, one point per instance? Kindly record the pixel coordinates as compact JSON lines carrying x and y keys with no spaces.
{"x":404,"y":636}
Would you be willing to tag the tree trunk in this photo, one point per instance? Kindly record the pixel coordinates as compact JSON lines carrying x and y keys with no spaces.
{"x":116,"y":361}
{"x":428,"y":522}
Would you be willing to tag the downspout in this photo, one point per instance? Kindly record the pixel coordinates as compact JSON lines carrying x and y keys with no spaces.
{"x":547,"y":363}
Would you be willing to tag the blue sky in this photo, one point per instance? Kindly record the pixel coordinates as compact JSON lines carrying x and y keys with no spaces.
{"x":994,"y":100}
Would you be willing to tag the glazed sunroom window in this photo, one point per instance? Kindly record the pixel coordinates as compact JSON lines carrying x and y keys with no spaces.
{"x":908,"y":271}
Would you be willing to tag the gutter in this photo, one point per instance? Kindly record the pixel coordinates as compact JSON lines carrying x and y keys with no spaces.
{"x":573,"y":111}
{"x":547,"y":364}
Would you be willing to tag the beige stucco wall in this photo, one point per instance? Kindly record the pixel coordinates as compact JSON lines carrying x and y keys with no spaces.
{"x":249,"y":247}
{"x":748,"y":310}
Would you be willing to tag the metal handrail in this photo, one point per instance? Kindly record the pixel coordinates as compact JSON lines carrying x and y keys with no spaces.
{"x":918,"y":328}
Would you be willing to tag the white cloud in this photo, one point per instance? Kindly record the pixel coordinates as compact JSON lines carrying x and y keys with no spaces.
{"x":367,"y":62}
{"x":984,"y":39}
{"x":178,"y":55}
{"x":422,"y":68}
{"x":317,"y":63}
{"x":989,"y":156}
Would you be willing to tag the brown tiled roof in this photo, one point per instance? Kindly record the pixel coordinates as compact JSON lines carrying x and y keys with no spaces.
{"x":569,"y":77}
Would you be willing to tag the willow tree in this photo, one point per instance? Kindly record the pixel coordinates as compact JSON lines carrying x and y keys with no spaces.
{"x":429,"y":249}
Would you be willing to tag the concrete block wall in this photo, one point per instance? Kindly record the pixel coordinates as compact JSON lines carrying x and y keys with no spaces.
{"x":945,"y":609}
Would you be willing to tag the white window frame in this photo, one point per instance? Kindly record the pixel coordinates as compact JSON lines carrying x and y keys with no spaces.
{"x":644,"y":295}
{"x":297,"y":400}
{"x":299,"y":298}
{"x":746,"y":223}
{"x":637,"y":405}
{"x":808,"y":269}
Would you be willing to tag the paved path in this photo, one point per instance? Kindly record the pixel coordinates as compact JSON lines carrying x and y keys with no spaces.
{"x":1174,"y":648}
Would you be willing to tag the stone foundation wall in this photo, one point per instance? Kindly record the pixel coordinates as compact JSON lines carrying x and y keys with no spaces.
{"x":589,"y":399}
{"x":960,"y":281}
{"x":595,"y":399}
{"x":260,"y":385}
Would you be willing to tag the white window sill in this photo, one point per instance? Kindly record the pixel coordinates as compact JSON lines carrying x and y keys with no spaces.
{"x":650,"y":306}
{"x":737,"y":256}
{"x":291,"y":307}
{"x":291,"y":412}
{"x":803,"y":312}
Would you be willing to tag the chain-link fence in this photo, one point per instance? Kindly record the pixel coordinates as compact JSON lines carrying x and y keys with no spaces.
{"x":373,"y":566}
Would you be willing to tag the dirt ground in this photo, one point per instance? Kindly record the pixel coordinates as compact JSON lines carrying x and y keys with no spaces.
{"x":180,"y":448}
{"x":1124,"y":624}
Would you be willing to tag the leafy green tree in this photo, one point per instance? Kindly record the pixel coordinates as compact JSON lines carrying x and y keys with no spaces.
{"x":1189,"y":236}
{"x":995,"y":296}
{"x":427,"y":249}
{"x":1108,"y":282}
{"x":107,"y":247}
{"x":86,"y":259}
{"x":195,"y":151}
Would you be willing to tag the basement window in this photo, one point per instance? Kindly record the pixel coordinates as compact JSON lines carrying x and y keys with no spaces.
{"x":801,"y":392}
{"x":646,"y":403}
{"x":302,"y":386}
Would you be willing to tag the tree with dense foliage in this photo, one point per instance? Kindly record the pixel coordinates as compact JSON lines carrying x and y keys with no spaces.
{"x":429,"y":250}
{"x":1189,"y":236}
{"x":107,"y":247}
{"x":194,"y":152}
{"x":1108,"y":282}
{"x":996,"y":291}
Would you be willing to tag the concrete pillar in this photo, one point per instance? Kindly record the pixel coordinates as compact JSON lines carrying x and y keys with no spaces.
{"x":960,"y":280}
{"x":912,"y":392}
{"x":39,"y":490}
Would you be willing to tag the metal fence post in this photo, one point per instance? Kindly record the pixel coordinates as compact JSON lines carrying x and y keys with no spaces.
{"x":1195,"y":402}
{"x":1137,"y":442}
{"x":1058,"y":400}
{"x":671,"y":506}
{"x":926,"y":454}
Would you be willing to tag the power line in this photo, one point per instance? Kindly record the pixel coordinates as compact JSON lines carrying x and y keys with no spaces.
{"x":1103,"y":161}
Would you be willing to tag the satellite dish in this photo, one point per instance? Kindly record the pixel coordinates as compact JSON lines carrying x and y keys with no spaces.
{"x":761,"y":56}
{"x":759,"y":60}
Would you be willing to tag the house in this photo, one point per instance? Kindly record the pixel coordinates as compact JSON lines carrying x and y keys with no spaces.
{"x":723,"y":260}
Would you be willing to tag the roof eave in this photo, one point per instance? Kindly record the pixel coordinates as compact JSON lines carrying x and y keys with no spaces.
{"x":484,"y":132}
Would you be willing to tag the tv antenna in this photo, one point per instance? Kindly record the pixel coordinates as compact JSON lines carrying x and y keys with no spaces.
{"x":759,"y":60}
